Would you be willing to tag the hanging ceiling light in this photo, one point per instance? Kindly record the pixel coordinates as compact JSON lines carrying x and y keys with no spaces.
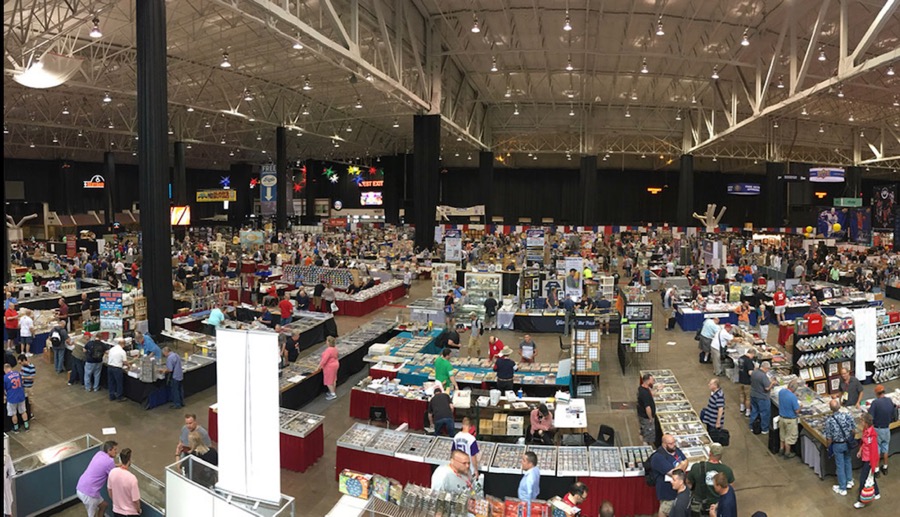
{"x":222,"y":141}
{"x":111,"y":126}
{"x":568,"y":25}
{"x":349,"y":128}
{"x":745,"y":39}
{"x":643,"y":156}
{"x":106,"y":97}
{"x":231,"y":152}
{"x":715,"y":74}
{"x":396,"y":123}
{"x":258,"y":137}
{"x":896,"y":101}
{"x":508,"y":93}
{"x":693,"y":99}
{"x":822,"y":54}
{"x":493,"y":63}
{"x":571,"y":112}
{"x":55,"y":139}
{"x":358,"y":104}
{"x":840,"y":92}
{"x":469,"y":156}
{"x":644,"y":68}
{"x":627,"y":113}
{"x":678,"y":115}
{"x":659,"y":27}
{"x":95,"y":30}
{"x":80,"y":132}
{"x":890,"y":70}
{"x":6,"y":130}
{"x":780,"y":82}
{"x":475,"y":28}
{"x":65,"y":110}
{"x":569,"y":66}
{"x":775,"y":124}
{"x":190,"y":109}
{"x":568,"y":157}
{"x":207,"y":125}
{"x":821,"y":128}
{"x":715,"y":158}
{"x":305,"y":110}
{"x":297,"y":45}
{"x":189,"y":146}
{"x":247,"y":95}
{"x":306,"y":86}
{"x":534,"y":157}
{"x":634,"y":95}
{"x":804,"y":112}
{"x":31,"y":145}
{"x":225,"y":63}
{"x":850,"y":118}
{"x":516,"y":112}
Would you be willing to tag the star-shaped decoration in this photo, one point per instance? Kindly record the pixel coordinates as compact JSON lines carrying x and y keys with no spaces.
{"x":297,"y":187}
{"x":329,"y":172}
{"x":303,"y":170}
{"x":253,"y":182}
{"x":358,"y":180}
{"x":372,"y":171}
{"x":353,"y":170}
{"x":333,"y":179}
{"x":225,"y":181}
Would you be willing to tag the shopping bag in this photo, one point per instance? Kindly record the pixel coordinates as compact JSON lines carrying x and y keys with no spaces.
{"x":334,"y":307}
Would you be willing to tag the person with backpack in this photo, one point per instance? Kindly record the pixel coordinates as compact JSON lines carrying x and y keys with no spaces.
{"x":663,"y":462}
{"x":58,"y":340}
{"x":490,"y":312}
{"x":93,"y":363}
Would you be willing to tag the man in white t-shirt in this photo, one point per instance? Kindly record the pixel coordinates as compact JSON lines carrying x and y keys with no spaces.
{"x":453,"y":478}
{"x":463,"y":441}
{"x":719,"y":344}
{"x":120,"y":269}
{"x":26,"y":331}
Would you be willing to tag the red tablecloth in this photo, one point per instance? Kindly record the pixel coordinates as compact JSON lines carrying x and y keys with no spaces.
{"x":629,"y":496}
{"x":351,"y":308}
{"x":298,"y":454}
{"x":399,"y":410}
{"x":784,"y":334}
{"x":402,"y":470}
{"x":213,"y":426}
{"x":378,"y":374}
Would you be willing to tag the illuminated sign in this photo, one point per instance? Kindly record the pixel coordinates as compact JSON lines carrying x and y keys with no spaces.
{"x":214,"y":196}
{"x":371,"y":183}
{"x":96,"y":181}
{"x":743,"y":189}
{"x":180,"y":215}
{"x":826,"y":175}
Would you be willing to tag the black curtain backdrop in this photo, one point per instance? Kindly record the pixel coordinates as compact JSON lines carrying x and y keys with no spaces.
{"x":620,"y":197}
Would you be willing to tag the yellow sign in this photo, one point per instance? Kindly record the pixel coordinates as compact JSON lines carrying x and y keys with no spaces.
{"x":214,"y":196}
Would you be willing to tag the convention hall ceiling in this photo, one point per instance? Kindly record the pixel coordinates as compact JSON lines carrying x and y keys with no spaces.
{"x":637,"y":83}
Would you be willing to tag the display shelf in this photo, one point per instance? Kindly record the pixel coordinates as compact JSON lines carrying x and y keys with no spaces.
{"x":606,"y":461}
{"x":633,"y":459}
{"x":414,"y":447}
{"x":508,"y":459}
{"x":478,"y":285}
{"x":302,"y":424}
{"x":443,"y":278}
{"x":358,"y":436}
{"x":387,"y":442}
{"x":439,"y":452}
{"x":573,"y":461}
{"x":486,"y":451}
{"x":546,"y":455}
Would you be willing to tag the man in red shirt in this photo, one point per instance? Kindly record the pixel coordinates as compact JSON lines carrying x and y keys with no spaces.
{"x":287,"y":309}
{"x":494,"y":347}
{"x":577,"y":495}
{"x":11,"y":319}
{"x":780,"y":299}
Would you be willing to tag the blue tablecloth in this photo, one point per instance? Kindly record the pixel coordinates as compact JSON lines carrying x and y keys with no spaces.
{"x":693,"y":321}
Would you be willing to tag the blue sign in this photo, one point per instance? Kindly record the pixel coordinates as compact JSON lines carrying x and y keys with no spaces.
{"x":826,"y":175}
{"x":744,"y":189}
{"x":268,"y":191}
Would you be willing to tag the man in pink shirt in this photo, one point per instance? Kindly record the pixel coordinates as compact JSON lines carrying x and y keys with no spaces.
{"x":123,"y":487}
{"x":94,"y":477}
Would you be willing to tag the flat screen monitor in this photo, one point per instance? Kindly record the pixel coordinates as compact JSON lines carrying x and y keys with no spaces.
{"x":370,"y":198}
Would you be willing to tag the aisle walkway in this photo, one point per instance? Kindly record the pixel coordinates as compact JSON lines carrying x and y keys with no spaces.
{"x":763,"y":482}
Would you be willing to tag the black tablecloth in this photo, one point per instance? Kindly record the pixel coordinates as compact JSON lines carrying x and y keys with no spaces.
{"x":507,"y":485}
{"x":892,"y":292}
{"x":554,"y":324}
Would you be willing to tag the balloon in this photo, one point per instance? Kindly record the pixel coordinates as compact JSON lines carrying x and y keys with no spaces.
{"x":836,"y":227}
{"x":809,"y":229}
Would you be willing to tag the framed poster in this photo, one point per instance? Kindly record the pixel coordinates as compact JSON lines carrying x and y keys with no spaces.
{"x":835,"y":384}
{"x":821,"y":387}
{"x":832,"y":369}
{"x":804,"y":374}
{"x":818,"y":372}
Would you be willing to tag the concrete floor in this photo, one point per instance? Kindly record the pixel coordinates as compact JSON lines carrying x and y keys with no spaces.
{"x":763,"y":482}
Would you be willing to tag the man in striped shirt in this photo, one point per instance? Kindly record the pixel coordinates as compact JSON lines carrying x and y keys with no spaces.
{"x":713,"y":415}
{"x":28,"y":371}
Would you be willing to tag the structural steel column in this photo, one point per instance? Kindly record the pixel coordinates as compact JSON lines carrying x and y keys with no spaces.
{"x":774,"y":195}
{"x":426,"y":156}
{"x":393,"y":188}
{"x":109,"y":174}
{"x":486,"y":180}
{"x":283,"y":186}
{"x":685,"y":206}
{"x":153,"y":160}
{"x":179,"y":182}
{"x":313,"y":170}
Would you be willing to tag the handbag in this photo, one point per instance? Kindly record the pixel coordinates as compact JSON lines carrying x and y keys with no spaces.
{"x":867,"y":494}
{"x":696,"y":504}
{"x":721,"y":436}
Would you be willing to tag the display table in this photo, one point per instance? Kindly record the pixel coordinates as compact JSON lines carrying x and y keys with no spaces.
{"x":628,"y":495}
{"x":536,"y":323}
{"x":399,"y":409}
{"x":361,"y":308}
{"x":690,"y":320}
{"x":402,"y":470}
{"x":378,"y":374}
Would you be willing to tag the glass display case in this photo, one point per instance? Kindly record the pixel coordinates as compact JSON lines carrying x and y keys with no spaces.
{"x":478,"y":285}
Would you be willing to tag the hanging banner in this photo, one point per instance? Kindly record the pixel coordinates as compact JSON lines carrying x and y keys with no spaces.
{"x":574,"y":267}
{"x":826,"y":175}
{"x":534,"y":238}
{"x":268,"y":191}
{"x":71,"y":246}
{"x":883,"y":203}
{"x":827,"y":221}
{"x":216,"y":195}
{"x":452,"y":245}
{"x":111,"y":310}
{"x":96,"y":181}
{"x":860,"y":225}
{"x":744,"y":189}
{"x":252,"y":238}
{"x":848,"y":201}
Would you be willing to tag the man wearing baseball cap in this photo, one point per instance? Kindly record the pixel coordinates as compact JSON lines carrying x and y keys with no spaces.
{"x":882,"y":411}
{"x":505,"y":368}
{"x":719,"y":346}
{"x":700,"y":478}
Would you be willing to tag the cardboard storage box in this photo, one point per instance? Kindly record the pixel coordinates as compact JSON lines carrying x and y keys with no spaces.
{"x":515,"y":426}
